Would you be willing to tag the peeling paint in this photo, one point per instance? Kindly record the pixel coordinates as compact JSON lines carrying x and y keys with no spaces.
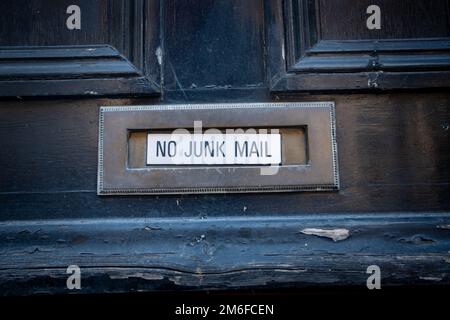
{"x":373,"y":79}
{"x":151,"y":228}
{"x":142,"y":275}
{"x":197,"y":240}
{"x":417,"y":239}
{"x":435,"y":279}
{"x":179,"y":204}
{"x":34,"y":250}
{"x":334,"y":234}
{"x":158,"y":54}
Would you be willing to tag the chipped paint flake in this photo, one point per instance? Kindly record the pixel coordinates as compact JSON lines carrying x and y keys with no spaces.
{"x":334,"y":234}
{"x":417,"y":239}
{"x":435,"y":279}
{"x":142,"y":275}
{"x":152,"y":228}
{"x":158,"y":54}
{"x":444,"y":226}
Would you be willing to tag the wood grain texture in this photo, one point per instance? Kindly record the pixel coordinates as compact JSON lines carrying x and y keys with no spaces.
{"x":43,"y":23}
{"x":393,"y":153}
{"x":213,"y":44}
{"x":399,"y":19}
{"x":307,"y":58}
{"x":70,"y":71}
{"x":162,"y":254}
{"x":109,"y":55}
{"x":393,"y":147}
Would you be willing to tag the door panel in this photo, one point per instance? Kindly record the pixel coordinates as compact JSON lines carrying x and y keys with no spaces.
{"x":310,"y":51}
{"x":41,"y":56}
{"x":392,"y":130}
{"x":409,"y":19}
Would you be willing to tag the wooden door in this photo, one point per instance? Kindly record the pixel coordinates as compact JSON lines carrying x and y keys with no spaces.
{"x":385,"y":68}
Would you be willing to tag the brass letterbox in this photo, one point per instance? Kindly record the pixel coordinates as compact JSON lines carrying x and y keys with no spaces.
{"x":217,"y":148}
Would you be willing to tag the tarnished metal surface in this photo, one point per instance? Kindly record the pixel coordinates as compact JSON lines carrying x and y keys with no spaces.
{"x":309,"y":161}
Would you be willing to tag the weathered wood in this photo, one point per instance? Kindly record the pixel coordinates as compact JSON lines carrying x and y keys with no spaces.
{"x":393,"y":147}
{"x":223,"y":253}
{"x":117,"y":87}
{"x":393,"y":153}
{"x":47,"y":59}
{"x":213,"y":44}
{"x":368,"y":82}
{"x":314,"y":54}
{"x":400,"y":20}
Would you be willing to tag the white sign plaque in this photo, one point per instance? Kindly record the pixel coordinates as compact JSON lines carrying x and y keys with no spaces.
{"x":213,"y":149}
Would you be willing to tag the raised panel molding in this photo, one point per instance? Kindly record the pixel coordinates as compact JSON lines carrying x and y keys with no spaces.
{"x":79,"y":70}
{"x":93,"y":70}
{"x":299,"y":60}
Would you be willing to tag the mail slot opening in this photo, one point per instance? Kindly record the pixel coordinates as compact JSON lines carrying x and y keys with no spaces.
{"x":301,"y":155}
{"x":224,"y":147}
